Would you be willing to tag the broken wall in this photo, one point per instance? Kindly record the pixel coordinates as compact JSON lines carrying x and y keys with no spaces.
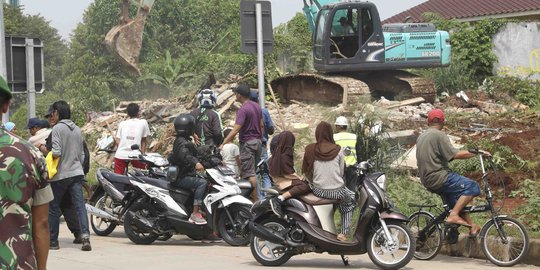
{"x":517,"y":47}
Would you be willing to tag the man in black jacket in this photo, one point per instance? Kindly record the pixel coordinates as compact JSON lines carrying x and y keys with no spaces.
{"x":208,"y":125}
{"x":184,"y":156}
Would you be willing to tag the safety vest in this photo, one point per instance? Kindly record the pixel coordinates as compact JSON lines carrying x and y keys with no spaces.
{"x":345,"y":139}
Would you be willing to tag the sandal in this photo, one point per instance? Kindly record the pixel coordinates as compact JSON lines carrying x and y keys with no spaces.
{"x":475,"y":229}
{"x":341,"y":237}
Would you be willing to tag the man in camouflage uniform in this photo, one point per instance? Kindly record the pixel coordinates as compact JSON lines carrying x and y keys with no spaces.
{"x":24,"y":197}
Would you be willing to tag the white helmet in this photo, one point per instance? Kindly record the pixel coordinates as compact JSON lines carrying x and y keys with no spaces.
{"x":341,"y":121}
{"x":207,"y":98}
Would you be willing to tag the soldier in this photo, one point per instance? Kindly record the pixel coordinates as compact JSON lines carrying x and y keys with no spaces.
{"x":24,"y":199}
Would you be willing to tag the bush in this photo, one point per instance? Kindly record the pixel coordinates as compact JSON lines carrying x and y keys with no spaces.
{"x":526,"y":91}
{"x":529,"y":212}
{"x":403,"y":191}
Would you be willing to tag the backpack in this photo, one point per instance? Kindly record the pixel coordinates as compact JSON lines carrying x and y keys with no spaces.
{"x":86,"y":161}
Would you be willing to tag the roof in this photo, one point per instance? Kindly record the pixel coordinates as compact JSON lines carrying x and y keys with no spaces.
{"x":463,"y":9}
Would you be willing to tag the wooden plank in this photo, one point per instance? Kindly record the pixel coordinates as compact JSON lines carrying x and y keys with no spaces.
{"x":411,"y":101}
{"x":227,"y":106}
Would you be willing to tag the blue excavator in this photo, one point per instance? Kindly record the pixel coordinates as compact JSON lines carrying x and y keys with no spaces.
{"x":356,"y":55}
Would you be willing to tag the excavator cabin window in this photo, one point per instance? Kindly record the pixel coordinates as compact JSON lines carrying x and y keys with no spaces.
{"x":344,"y":35}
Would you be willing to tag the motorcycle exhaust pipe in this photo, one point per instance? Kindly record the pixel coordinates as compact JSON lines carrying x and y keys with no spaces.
{"x":262,"y":232}
{"x":100,"y":213}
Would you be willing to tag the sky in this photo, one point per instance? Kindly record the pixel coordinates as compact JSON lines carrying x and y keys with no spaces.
{"x":64,"y":15}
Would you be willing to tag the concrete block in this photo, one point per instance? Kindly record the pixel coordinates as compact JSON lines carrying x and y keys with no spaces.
{"x":471,"y":248}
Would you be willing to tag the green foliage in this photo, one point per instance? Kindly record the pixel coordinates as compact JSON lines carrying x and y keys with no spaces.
{"x":530,"y":210}
{"x":526,"y":91}
{"x":371,"y":145}
{"x":451,"y":79}
{"x":503,"y":157}
{"x":472,"y":55}
{"x":292,"y":47}
{"x":402,"y":191}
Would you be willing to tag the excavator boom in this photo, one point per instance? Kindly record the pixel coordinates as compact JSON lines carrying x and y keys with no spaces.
{"x":125,"y":39}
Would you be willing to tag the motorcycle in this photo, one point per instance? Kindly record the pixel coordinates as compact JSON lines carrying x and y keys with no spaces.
{"x":155,"y":210}
{"x":106,"y":206}
{"x":308,"y":226}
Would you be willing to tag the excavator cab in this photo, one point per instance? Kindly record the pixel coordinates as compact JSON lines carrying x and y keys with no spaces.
{"x":125,"y":39}
{"x":346,"y":36}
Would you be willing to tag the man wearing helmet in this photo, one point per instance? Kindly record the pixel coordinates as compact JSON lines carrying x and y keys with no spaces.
{"x":184,"y":155}
{"x":345,"y":139}
{"x":433,"y":153}
{"x":208,"y":125}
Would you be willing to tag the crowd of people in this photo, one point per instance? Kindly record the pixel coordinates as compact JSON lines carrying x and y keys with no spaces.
{"x":33,"y":200}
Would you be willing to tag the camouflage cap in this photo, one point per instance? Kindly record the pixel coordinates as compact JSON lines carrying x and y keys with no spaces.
{"x":4,"y":88}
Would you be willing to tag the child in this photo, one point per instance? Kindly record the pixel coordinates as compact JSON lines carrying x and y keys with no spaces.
{"x":231,"y":154}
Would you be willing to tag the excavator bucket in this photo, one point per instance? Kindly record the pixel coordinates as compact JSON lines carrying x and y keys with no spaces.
{"x":125,"y":40}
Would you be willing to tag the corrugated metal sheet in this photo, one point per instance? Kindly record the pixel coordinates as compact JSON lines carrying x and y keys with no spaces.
{"x":460,"y":9}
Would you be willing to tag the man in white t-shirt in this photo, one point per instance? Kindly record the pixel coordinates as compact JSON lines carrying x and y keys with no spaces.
{"x":131,"y":131}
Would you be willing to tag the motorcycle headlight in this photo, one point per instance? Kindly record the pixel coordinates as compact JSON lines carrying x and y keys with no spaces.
{"x":381,"y":181}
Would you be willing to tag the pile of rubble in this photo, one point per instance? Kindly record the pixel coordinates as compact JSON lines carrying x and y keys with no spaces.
{"x":294,"y":115}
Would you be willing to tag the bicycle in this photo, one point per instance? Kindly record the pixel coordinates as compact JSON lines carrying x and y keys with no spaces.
{"x":504,"y":240}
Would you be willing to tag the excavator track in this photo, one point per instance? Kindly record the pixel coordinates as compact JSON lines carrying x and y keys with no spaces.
{"x":348,"y":90}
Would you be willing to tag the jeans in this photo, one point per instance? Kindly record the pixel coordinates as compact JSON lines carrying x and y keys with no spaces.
{"x":456,"y":186}
{"x":59,"y":188}
{"x":70,"y":214}
{"x":196,"y":183}
{"x":263,"y":178}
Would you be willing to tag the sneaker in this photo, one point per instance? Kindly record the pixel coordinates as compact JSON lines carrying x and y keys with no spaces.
{"x":78,"y":238}
{"x":54,"y":245}
{"x":275,"y":204}
{"x":197,"y":218}
{"x":86,"y":244}
{"x":212,"y":238}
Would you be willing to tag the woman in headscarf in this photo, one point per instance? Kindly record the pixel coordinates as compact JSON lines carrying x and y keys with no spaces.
{"x":324,"y":166}
{"x":281,"y":168}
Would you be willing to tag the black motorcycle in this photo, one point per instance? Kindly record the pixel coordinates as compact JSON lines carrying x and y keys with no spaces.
{"x":308,"y":226}
{"x":106,"y":205}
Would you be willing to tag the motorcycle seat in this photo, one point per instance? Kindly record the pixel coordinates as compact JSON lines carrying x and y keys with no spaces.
{"x":311,"y":199}
{"x":161,"y":183}
{"x":116,"y":178}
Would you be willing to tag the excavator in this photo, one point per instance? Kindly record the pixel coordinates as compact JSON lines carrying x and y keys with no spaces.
{"x":125,"y":39}
{"x":355,"y":55}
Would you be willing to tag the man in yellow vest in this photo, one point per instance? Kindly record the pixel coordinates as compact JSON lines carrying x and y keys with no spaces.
{"x":344,"y":139}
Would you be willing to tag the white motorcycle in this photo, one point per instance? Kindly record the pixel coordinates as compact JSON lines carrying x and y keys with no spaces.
{"x":155,"y":210}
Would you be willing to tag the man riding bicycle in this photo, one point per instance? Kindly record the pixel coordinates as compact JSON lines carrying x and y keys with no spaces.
{"x":433,"y":153}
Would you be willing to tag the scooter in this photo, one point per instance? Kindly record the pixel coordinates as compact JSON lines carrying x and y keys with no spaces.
{"x":308,"y":226}
{"x":106,"y":206}
{"x":155,"y":210}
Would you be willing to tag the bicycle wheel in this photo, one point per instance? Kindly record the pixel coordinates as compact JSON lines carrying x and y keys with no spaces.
{"x":429,"y":244}
{"x":516,"y":246}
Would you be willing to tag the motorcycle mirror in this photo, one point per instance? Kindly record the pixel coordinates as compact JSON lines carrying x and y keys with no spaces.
{"x":347,"y":151}
{"x":172,"y":173}
{"x":135,"y":147}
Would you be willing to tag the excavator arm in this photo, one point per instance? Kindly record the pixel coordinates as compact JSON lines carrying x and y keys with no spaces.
{"x":124,"y":40}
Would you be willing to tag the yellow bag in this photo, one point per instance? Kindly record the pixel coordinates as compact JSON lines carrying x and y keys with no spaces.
{"x":52,"y":164}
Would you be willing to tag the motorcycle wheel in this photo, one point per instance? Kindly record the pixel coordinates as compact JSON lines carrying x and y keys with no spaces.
{"x":397,"y":255}
{"x":101,"y":226}
{"x":165,"y":237}
{"x":266,"y":252}
{"x":231,"y":230}
{"x":138,"y":235}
